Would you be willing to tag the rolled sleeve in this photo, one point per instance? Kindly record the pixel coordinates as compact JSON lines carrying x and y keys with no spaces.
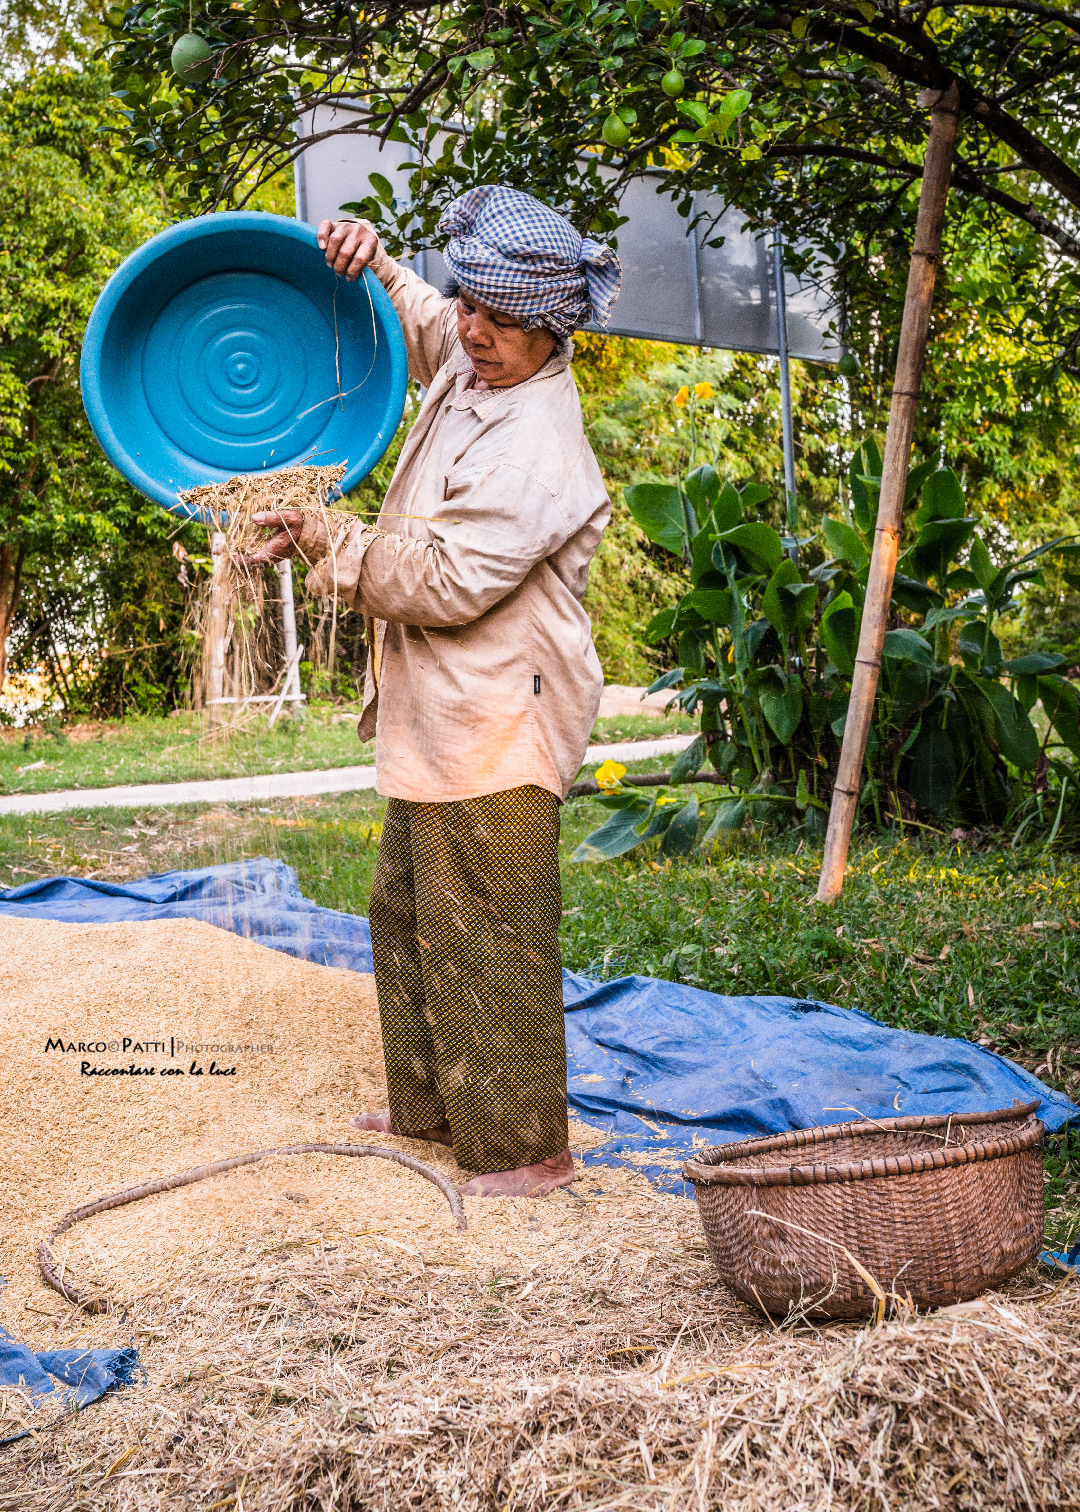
{"x":428,"y":320}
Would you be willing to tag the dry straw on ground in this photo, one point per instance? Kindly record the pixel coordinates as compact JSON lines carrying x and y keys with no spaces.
{"x":319,"y":1336}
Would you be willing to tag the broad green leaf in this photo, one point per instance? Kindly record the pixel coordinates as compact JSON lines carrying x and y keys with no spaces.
{"x":657,"y":508}
{"x":695,"y":110}
{"x":906,"y":645}
{"x":916,"y":477}
{"x":779,"y":609}
{"x":482,"y":59}
{"x":1027,"y":691}
{"x":612,"y":839}
{"x":727,"y":511}
{"x":838,"y":707}
{"x":977,"y":654}
{"x":702,"y":487}
{"x":682,"y":831}
{"x":782,"y":704}
{"x":727,"y":822}
{"x":932,"y":772}
{"x":840,"y":631}
{"x":383,"y":188}
{"x":1032,"y":664}
{"x":981,"y":565}
{"x":688,"y":761}
{"x":805,"y":596}
{"x":691,"y":651}
{"x":1016,"y":734}
{"x":759,"y":545}
{"x":713,"y":604}
{"x":845,"y":544}
{"x":942,"y":498}
{"x":754,"y":493}
{"x":911,"y":594}
{"x":735,"y":102}
{"x":660,"y":626}
{"x":938,"y":542}
{"x":1062,"y":706}
{"x":908,"y":683}
{"x":860,"y":497}
{"x":668,"y":680}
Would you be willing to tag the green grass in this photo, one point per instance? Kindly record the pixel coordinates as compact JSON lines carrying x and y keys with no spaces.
{"x":927,"y":935}
{"x":111,"y":753}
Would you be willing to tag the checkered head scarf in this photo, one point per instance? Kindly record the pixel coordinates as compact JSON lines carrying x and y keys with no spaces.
{"x":515,"y":255}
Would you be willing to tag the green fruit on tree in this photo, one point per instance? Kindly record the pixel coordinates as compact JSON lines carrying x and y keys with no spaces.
{"x":192,"y":58}
{"x":848,"y":366}
{"x":616,"y":132}
{"x":673,"y":84}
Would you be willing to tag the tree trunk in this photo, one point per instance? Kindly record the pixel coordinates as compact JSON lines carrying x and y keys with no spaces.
{"x":11,"y":566}
{"x":890,"y":519}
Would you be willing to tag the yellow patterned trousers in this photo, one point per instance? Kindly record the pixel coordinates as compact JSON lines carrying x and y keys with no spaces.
{"x":465,"y":910}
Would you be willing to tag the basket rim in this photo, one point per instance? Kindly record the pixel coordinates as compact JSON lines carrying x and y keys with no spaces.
{"x":718,"y":1166}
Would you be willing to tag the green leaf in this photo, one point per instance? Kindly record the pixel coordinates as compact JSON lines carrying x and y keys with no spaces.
{"x":907,"y":684}
{"x":701,"y":562}
{"x":735,"y":102}
{"x":975,"y":652}
{"x":727,"y":822}
{"x":713,"y":604}
{"x":701,"y":487}
{"x":759,"y":544}
{"x":845,"y":544}
{"x":938,"y":542}
{"x":1016,"y":734}
{"x":942,"y":498}
{"x":780,"y":609}
{"x":906,"y":645}
{"x":688,"y":761}
{"x":383,"y":188}
{"x":728,"y":509}
{"x":781,"y":700}
{"x":839,"y":630}
{"x":660,"y":626}
{"x":1062,"y":706}
{"x":657,"y":508}
{"x":916,"y":477}
{"x":981,"y":565}
{"x":695,"y":110}
{"x":682,"y":831}
{"x":612,"y":839}
{"x":805,"y":596}
{"x":482,"y":59}
{"x":668,"y":680}
{"x":1032,"y":664}
{"x":932,"y":773}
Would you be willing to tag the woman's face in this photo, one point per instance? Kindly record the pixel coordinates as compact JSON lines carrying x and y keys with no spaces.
{"x":498,"y":348}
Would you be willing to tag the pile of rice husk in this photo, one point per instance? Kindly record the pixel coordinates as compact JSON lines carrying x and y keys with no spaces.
{"x":316,"y":1334}
{"x":230,"y":607}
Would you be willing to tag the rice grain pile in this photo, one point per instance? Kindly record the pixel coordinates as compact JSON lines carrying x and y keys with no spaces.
{"x":316,"y":1334}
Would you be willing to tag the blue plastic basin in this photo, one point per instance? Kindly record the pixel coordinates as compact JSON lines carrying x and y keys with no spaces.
{"x":212,"y":351}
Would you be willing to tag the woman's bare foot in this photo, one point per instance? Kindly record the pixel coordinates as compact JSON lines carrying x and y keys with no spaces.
{"x":379,"y":1123}
{"x":526,"y":1181}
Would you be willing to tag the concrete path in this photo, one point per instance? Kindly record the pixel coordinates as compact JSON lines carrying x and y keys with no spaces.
{"x":273,"y":785}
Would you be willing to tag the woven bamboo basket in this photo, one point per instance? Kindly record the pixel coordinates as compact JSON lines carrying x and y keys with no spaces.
{"x":933,"y":1210}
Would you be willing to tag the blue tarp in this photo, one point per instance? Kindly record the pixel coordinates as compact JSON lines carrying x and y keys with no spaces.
{"x":81,"y":1375}
{"x":659,"y":1067}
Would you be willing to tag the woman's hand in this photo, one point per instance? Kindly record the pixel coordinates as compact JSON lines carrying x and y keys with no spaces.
{"x":290,"y":525}
{"x":348,"y":245}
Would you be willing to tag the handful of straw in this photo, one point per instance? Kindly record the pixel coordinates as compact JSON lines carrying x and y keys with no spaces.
{"x":232,"y":614}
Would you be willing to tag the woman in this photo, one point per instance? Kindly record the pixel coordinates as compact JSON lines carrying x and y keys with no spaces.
{"x":482,"y":682}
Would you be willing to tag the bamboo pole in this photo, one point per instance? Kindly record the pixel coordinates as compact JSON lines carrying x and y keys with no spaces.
{"x":937,"y":167}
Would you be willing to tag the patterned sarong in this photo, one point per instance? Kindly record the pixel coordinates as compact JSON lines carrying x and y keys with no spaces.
{"x":465,"y":910}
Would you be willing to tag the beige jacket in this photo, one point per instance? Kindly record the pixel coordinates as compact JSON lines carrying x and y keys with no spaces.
{"x":487,"y":677}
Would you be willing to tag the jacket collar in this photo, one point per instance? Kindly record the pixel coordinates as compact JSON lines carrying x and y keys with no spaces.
{"x":484,"y":400}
